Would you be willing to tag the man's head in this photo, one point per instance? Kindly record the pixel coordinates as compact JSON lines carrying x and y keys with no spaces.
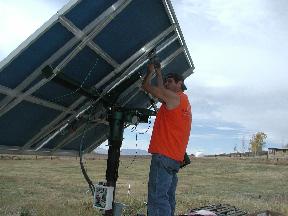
{"x":174,"y":82}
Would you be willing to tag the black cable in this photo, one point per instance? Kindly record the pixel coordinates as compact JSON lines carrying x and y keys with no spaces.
{"x":136,"y":142}
{"x":88,"y":180}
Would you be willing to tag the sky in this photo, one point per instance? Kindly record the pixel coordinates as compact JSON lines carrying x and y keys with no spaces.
{"x":239,"y":49}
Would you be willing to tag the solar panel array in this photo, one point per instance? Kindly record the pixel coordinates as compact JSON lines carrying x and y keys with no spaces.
{"x":102,"y":46}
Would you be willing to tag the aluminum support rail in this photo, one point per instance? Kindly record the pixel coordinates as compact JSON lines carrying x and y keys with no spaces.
{"x":82,"y":36}
{"x":35,"y":100}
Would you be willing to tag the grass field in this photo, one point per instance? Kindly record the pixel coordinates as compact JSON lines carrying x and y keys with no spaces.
{"x":56,"y":187}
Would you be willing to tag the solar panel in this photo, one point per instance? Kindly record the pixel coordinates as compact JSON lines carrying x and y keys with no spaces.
{"x":100,"y":46}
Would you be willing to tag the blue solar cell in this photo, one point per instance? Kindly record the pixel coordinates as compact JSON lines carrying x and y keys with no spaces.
{"x":140,"y":22}
{"x":178,"y":65}
{"x":1,"y":96}
{"x":87,"y":68}
{"x":21,"y":123}
{"x":59,"y":94}
{"x":86,"y":11}
{"x":140,"y":101}
{"x":87,"y":138}
{"x":169,"y":50}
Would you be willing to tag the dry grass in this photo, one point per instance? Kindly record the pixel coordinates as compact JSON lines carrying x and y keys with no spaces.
{"x":56,"y":187}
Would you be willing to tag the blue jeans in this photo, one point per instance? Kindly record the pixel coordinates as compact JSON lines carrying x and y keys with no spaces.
{"x":162,"y":186}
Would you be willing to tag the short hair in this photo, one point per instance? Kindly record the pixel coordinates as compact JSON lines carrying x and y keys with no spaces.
{"x":177,"y":78}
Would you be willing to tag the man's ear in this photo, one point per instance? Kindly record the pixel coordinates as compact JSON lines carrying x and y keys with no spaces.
{"x":179,"y":84}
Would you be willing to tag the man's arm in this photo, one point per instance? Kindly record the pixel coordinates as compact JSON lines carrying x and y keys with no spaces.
{"x":160,"y":82}
{"x":170,"y":98}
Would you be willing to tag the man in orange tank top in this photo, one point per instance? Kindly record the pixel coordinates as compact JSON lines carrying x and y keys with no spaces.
{"x":168,"y":141}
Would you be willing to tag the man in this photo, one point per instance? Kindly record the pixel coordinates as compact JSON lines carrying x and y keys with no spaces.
{"x":168,"y":141}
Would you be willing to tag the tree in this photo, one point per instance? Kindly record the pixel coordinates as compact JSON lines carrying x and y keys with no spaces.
{"x":243,"y":145}
{"x":257,"y":142}
{"x":235,"y":148}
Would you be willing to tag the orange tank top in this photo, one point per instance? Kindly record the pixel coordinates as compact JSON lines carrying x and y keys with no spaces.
{"x":171,"y":130}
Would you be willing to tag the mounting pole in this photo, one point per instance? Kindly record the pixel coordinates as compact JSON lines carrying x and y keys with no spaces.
{"x":116,"y":123}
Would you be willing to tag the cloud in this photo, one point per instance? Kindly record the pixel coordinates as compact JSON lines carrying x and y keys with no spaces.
{"x":225,"y":128}
{"x":227,"y":65}
{"x":247,"y":20}
{"x":203,"y":136}
{"x":253,"y":109}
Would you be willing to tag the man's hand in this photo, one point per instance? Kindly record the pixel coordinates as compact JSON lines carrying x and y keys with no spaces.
{"x":158,"y":71}
{"x":154,"y":67}
{"x":151,"y":68}
{"x":157,"y":65}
